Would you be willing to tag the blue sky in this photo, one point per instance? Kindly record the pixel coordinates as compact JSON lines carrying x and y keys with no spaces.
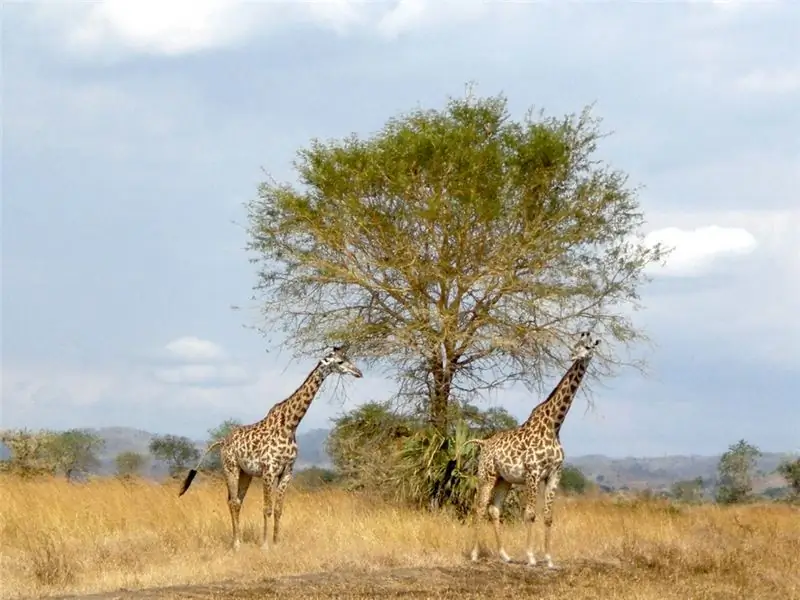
{"x":133,"y":132}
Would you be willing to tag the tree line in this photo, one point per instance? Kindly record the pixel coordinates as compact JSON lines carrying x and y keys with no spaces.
{"x":377,"y":449}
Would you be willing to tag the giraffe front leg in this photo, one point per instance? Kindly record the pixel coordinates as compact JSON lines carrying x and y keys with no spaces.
{"x":269,"y":483}
{"x":280,"y":495}
{"x":482,"y":497}
{"x":529,"y":516}
{"x":549,"y":495}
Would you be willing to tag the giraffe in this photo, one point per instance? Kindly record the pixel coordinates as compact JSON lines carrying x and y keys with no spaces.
{"x":530,"y":454}
{"x":268,"y":448}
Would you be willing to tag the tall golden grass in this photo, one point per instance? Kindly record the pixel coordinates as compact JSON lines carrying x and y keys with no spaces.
{"x":107,"y":534}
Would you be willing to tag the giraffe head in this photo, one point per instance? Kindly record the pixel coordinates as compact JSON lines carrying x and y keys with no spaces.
{"x":336,"y":361}
{"x":584,"y":348}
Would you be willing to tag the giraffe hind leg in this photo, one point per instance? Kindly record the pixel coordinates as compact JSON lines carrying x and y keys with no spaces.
{"x":499,"y":493}
{"x":482,"y":498}
{"x":237,"y":482}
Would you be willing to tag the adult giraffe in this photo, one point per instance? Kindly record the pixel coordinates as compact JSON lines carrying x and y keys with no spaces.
{"x":268,"y":448}
{"x":530,"y":454}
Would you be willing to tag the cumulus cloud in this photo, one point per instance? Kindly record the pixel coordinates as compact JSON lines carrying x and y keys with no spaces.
{"x":179,"y":27}
{"x":193,"y":349}
{"x":192,"y":361}
{"x":150,"y":27}
{"x":695,"y":251}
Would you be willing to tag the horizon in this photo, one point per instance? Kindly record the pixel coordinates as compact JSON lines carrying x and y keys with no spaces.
{"x":131,"y":142}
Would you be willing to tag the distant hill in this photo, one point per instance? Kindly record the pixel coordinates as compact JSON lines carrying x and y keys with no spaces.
{"x":634,"y":473}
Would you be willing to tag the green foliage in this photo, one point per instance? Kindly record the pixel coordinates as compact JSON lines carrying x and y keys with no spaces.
{"x":406,"y":459}
{"x":362,"y":443}
{"x":129,"y":463}
{"x":177,"y":451}
{"x":735,"y":473}
{"x":213,"y":460}
{"x":31,"y":452}
{"x":48,"y":452}
{"x":75,"y":451}
{"x":573,"y":481}
{"x":790,"y":471}
{"x":457,"y":247}
{"x":314,"y":478}
{"x":690,"y":491}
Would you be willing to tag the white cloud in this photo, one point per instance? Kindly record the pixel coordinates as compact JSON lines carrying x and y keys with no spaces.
{"x":177,"y":27}
{"x":771,"y":81}
{"x":694,"y":251}
{"x":151,"y":27}
{"x":191,"y":349}
{"x":192,"y":361}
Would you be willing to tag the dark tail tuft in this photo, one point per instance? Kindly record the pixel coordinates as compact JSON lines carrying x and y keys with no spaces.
{"x":187,"y":482}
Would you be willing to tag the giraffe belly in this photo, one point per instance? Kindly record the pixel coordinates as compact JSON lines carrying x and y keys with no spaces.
{"x":514,"y":474}
{"x":271,"y":463}
{"x":251,"y":466}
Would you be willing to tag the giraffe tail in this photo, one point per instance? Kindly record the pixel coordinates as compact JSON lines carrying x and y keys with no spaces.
{"x":193,"y":472}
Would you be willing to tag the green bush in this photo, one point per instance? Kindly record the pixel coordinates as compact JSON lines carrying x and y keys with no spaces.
{"x":403,"y":458}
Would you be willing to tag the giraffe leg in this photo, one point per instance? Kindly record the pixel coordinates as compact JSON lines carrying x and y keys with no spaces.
{"x":238,"y":482}
{"x":529,"y":516}
{"x":499,"y":494}
{"x":549,"y":495}
{"x":280,"y":495}
{"x":269,"y":483}
{"x":482,"y":497}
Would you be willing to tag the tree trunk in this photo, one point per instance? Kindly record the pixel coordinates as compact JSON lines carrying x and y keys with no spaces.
{"x":440,"y":395}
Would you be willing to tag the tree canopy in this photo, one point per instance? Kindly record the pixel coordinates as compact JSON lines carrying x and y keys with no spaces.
{"x":177,"y":451}
{"x":735,"y":470}
{"x":458,"y":248}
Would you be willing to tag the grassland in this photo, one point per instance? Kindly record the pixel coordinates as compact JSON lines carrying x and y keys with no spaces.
{"x":106,"y":535}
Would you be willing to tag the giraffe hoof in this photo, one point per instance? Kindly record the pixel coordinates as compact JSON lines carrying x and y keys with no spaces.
{"x":531,"y":560}
{"x":474,"y":555}
{"x":504,"y":557}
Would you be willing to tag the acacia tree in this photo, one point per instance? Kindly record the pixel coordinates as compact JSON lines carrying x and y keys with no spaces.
{"x":457,"y":248}
{"x":177,"y":451}
{"x":790,"y":471}
{"x":129,"y":463}
{"x":735,"y":471}
{"x":76,"y":451}
{"x":31,"y":452}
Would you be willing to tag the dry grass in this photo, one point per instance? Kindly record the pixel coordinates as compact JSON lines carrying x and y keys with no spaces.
{"x":107,"y":535}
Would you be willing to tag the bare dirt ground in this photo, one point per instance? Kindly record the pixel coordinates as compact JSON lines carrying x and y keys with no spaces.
{"x":573,"y":580}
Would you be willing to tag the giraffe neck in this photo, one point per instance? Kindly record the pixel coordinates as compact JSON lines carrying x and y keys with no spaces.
{"x":291,"y":411}
{"x":555,"y":408}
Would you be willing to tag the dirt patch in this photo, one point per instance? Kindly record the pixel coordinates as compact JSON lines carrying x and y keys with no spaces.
{"x":483,"y":580}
